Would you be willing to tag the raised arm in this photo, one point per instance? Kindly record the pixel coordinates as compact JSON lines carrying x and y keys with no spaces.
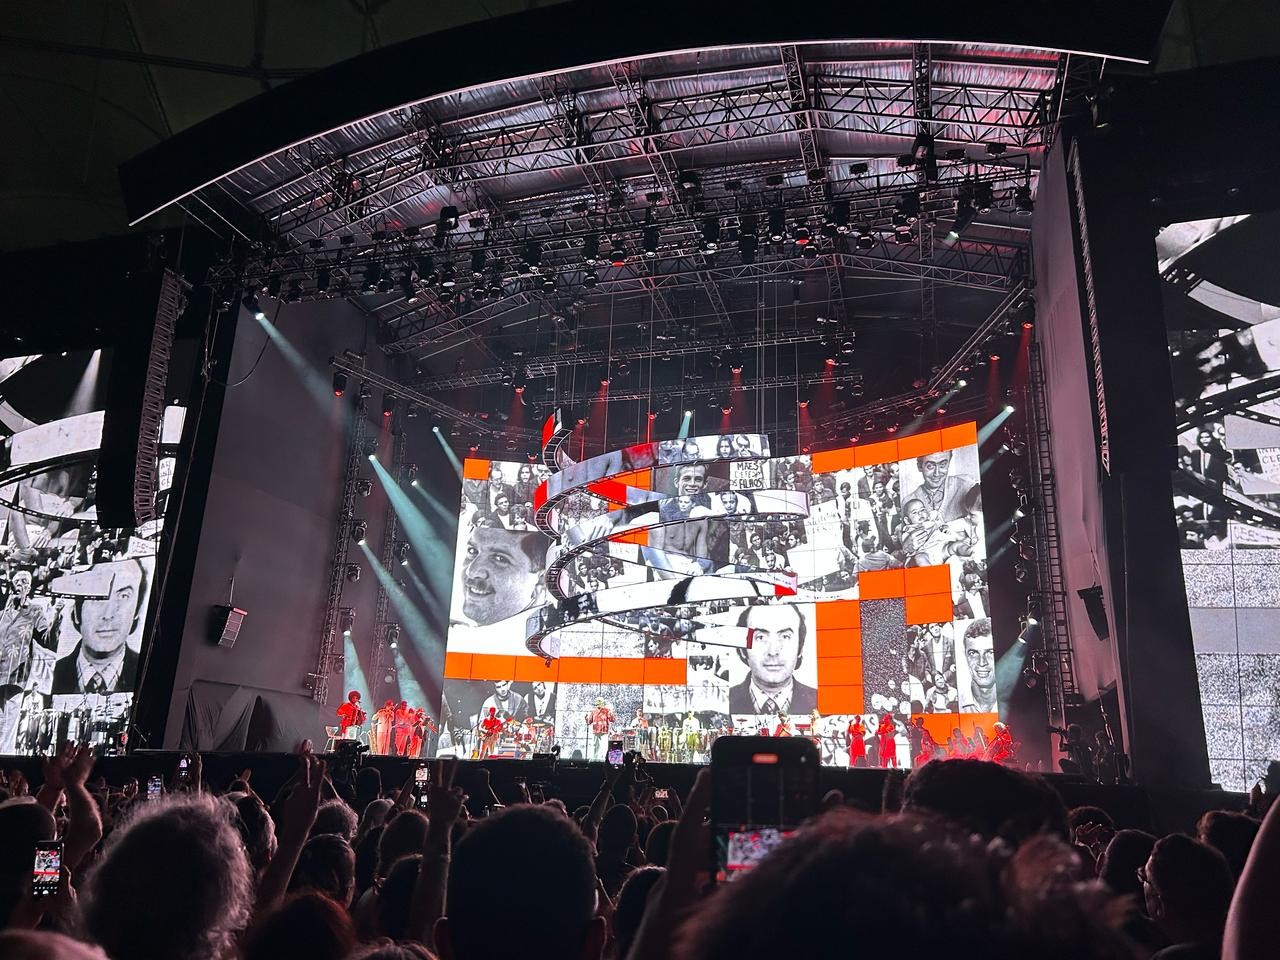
{"x":444,"y":803}
{"x":1253,"y":923}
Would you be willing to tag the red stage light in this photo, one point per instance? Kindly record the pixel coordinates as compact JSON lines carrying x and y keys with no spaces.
{"x":942,"y":410}
{"x":804,"y":404}
{"x":337,"y":393}
{"x":831,"y":361}
{"x":652,"y":415}
{"x":519,"y":389}
{"x":736,"y":370}
{"x":604,"y":382}
{"x":995,"y":357}
{"x":1027,"y":324}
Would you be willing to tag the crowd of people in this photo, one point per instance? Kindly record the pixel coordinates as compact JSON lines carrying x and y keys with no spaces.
{"x":962,"y":858}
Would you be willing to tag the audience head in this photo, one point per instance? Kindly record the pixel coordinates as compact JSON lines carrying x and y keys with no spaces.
{"x":396,"y":895}
{"x":367,"y":858}
{"x":617,"y":830}
{"x":368,"y":786}
{"x":257,"y":830}
{"x":335,"y":816}
{"x":872,"y":879}
{"x":23,"y":824}
{"x":402,"y":836}
{"x":1231,"y":834}
{"x":375,"y":814}
{"x":522,"y":841}
{"x":326,"y":865}
{"x":183,"y":858}
{"x":658,"y":844}
{"x":1187,"y":886}
{"x":39,"y":945}
{"x":394,"y":951}
{"x":987,"y":798}
{"x":629,"y":909}
{"x":1090,"y":816}
{"x":1124,"y":857}
{"x":308,"y":926}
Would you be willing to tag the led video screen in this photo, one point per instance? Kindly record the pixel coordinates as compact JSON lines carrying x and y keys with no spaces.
{"x":1222,"y":309}
{"x":886,"y":609}
{"x":73,"y":595}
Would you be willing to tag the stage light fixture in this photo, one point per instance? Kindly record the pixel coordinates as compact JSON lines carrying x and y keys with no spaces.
{"x":436,"y":428}
{"x":370,"y":448}
{"x":448,"y":279}
{"x":903,"y":237}
{"x":392,"y":634}
{"x":777,"y":225}
{"x":983,"y":196}
{"x":688,"y":413}
{"x":962,"y":384}
{"x":339,"y":383}
{"x":478,"y":258}
{"x":294,"y":293}
{"x":800,"y":234}
{"x":402,"y":553}
{"x":448,"y":219}
{"x":251,"y":304}
{"x":388,"y":405}
{"x":346,"y":620}
{"x":372,"y":276}
{"x":548,"y":283}
{"x":1008,"y":408}
{"x":618,"y":250}
{"x":748,"y":247}
{"x":323,"y":278}
{"x":533,"y":254}
{"x":366,"y":391}
{"x":411,"y":472}
{"x":364,"y":486}
{"x":866,"y":240}
{"x":589,"y":279}
{"x":591,"y":248}
{"x":1023,"y":204}
{"x":908,"y":206}
{"x":650,"y":240}
{"x":711,"y":234}
{"x":840,"y":216}
{"x":359,"y":530}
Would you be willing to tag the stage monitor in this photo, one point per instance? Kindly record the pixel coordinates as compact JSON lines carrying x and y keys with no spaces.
{"x":735,"y":592}
{"x":73,"y":595}
{"x":1222,"y":306}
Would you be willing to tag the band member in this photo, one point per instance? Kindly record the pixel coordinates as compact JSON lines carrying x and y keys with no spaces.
{"x":692,"y":734}
{"x":783,"y":728}
{"x":422,"y":725}
{"x":528,"y":736}
{"x":599,"y":721}
{"x":857,"y":733}
{"x":926,"y":748}
{"x":888,"y":743}
{"x":641,"y":724}
{"x":350,"y":715}
{"x":384,"y":720}
{"x":1001,"y":747}
{"x":403,"y":719}
{"x":958,"y":745}
{"x":490,"y":728}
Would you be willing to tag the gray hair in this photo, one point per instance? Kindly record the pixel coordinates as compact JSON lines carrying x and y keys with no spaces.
{"x":183,"y":857}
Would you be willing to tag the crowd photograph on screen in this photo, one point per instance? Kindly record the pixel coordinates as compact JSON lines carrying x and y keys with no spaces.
{"x":731,"y":593}
{"x":73,"y":595}
{"x":1223,"y":313}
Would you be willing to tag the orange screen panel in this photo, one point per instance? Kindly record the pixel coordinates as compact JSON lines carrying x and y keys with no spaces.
{"x":580,"y":669}
{"x":622,"y":670}
{"x":490,"y":666}
{"x":835,"y":700}
{"x":930,"y":608}
{"x":457,"y":666}
{"x":919,"y":444}
{"x":531,"y":669}
{"x":869,"y":454}
{"x":658,"y":670}
{"x":961,"y":435}
{"x":881,"y":584}
{"x":922,"y":580}
{"x":839,"y":643}
{"x":829,"y":461}
{"x":473,"y":469}
{"x":838,"y":615}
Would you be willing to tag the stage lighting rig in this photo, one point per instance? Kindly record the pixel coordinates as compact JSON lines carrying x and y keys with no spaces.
{"x":364,"y":486}
{"x":369,"y":448}
{"x":777,"y":225}
{"x":346,"y":620}
{"x":649,"y":240}
{"x":359,"y":530}
{"x":965,"y":212}
{"x":411,"y":472}
{"x":711,"y":234}
{"x":392,"y":635}
{"x":339,"y":383}
{"x":388,"y":405}
{"x":402,"y":553}
{"x":352,"y":572}
{"x":983,"y":197}
{"x":251,"y":304}
{"x":1023,"y":204}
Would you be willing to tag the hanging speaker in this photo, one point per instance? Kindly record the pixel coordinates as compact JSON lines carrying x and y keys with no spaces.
{"x":226,"y":625}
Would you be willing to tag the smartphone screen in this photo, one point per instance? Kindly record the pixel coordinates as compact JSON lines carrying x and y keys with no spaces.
{"x":762,"y":789}
{"x":47,"y":871}
{"x":154,"y":786}
{"x":614,"y":756}
{"x":422,"y":774}
{"x":184,"y":768}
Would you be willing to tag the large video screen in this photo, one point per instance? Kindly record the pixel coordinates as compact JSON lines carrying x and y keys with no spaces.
{"x":1222,"y":308}
{"x":886,"y":612}
{"x":73,"y":595}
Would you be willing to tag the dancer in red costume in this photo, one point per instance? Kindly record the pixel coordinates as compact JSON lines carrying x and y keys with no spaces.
{"x":888,"y":744}
{"x":349,"y":714}
{"x":598,"y":722}
{"x":928,"y":745}
{"x":490,"y":727}
{"x":857,"y":743}
{"x":403,"y":728}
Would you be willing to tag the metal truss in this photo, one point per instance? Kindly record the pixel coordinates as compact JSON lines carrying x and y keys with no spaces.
{"x":409,"y":394}
{"x":922,"y":90}
{"x":711,"y":389}
{"x":390,"y":531}
{"x":329,"y":194}
{"x":329,"y":658}
{"x":547,"y":366}
{"x":1060,"y":683}
{"x":1075,"y":87}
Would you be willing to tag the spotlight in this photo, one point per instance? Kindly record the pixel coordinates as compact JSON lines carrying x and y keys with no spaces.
{"x":402,"y":552}
{"x":652,"y":415}
{"x":748,"y":247}
{"x":352,"y":572}
{"x":294,"y":293}
{"x":346,"y":620}
{"x":962,"y":383}
{"x":448,"y":279}
{"x":372,"y":276}
{"x":1008,"y":408}
{"x":1023,"y":205}
{"x":650,"y":241}
{"x":866,"y":240}
{"x":533,"y":254}
{"x":411,"y":472}
{"x":435,"y":429}
{"x":251,"y":304}
{"x":1021,"y":572}
{"x":983,"y":197}
{"x":370,"y":448}
{"x":339,"y":383}
{"x":688,"y":413}
{"x":800,"y":234}
{"x":392,"y":634}
{"x":359,"y":530}
{"x":710,"y":234}
{"x":840,"y":216}
{"x":323,"y":278}
{"x":448,"y":219}
{"x":618,"y":253}
{"x":388,"y":405}
{"x":589,"y":279}
{"x":777,"y":225}
{"x":965,"y":212}
{"x":591,"y":248}
{"x":364,"y":486}
{"x":478,"y":258}
{"x":909,"y":206}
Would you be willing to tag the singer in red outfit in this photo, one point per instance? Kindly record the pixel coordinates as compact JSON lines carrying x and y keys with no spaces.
{"x":598,"y":722}
{"x":888,"y":744}
{"x":403,"y":728}
{"x":857,"y":743}
{"x":349,"y":714}
{"x":1001,"y":747}
{"x":490,"y":727}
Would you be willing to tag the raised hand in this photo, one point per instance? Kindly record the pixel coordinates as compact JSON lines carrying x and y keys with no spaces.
{"x":444,"y":801}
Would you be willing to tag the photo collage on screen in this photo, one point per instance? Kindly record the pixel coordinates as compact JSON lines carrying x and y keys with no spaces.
{"x":1222,"y":309}
{"x":650,"y":678}
{"x":73,"y":595}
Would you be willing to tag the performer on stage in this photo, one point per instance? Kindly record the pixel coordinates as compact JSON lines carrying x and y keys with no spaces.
{"x":599,"y":721}
{"x":924,"y":747}
{"x":888,"y":743}
{"x":1001,"y":748}
{"x":350,"y":715}
{"x":857,"y":733}
{"x":691,"y":730}
{"x":641,"y":724}
{"x":403,"y":728}
{"x":490,"y":729}
{"x":383,"y":721}
{"x":783,"y":727}
{"x":422,"y":724}
{"x":815,"y":720}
